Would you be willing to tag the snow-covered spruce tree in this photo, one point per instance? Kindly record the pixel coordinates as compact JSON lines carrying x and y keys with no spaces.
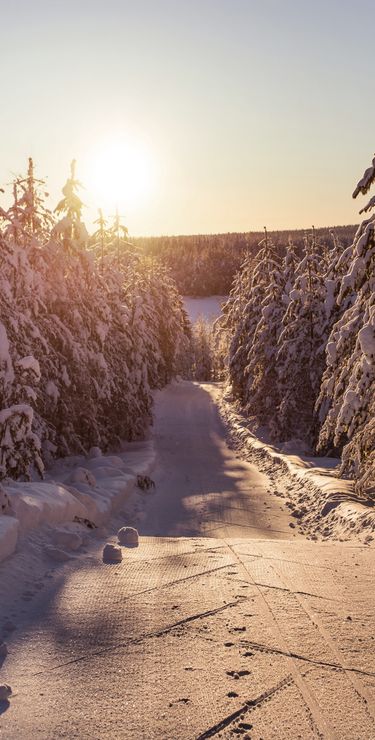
{"x":265,"y":262}
{"x":24,"y":226}
{"x":220,"y":341}
{"x":110,"y":244}
{"x":70,"y":228}
{"x":346,"y":400}
{"x":300,"y":355}
{"x":169,"y":319}
{"x":73,"y":301}
{"x":263,"y":395}
{"x":202,"y":350}
{"x":228,"y":328}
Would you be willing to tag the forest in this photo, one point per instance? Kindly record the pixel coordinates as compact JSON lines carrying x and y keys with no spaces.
{"x":206,"y":264}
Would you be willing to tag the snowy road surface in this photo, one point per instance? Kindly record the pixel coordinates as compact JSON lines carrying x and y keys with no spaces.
{"x":221,"y":624}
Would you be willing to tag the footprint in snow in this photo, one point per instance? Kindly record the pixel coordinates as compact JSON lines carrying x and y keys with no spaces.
{"x":179,"y":701}
{"x":237,"y":674}
{"x":9,"y":626}
{"x":27,"y":595}
{"x":5,"y":692}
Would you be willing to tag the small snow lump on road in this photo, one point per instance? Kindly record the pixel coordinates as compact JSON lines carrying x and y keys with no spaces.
{"x":128,"y":536}
{"x":112,"y":553}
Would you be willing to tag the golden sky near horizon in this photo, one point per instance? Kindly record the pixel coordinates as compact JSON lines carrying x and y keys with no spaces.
{"x":189,"y":117}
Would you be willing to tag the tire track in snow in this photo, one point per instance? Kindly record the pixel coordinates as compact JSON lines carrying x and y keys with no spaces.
{"x":357,"y":686}
{"x":322,"y":724}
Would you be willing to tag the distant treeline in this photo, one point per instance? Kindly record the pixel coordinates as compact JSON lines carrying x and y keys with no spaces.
{"x":206,"y":264}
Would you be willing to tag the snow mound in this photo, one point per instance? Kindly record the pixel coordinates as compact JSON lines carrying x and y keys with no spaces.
{"x":67,"y":539}
{"x":76,"y":489}
{"x":112,"y":553}
{"x":94,"y":452}
{"x":128,"y":536}
{"x":57,"y":554}
{"x":82,"y":475}
{"x":35,"y":504}
{"x":113,"y":460}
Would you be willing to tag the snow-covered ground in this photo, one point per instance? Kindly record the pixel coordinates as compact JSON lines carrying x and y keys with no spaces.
{"x":209,"y":308}
{"x":225,"y":621}
{"x":74,"y":490}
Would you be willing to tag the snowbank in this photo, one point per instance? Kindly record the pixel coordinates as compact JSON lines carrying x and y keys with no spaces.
{"x":84,"y":488}
{"x":8,"y":535}
{"x":323,"y":504}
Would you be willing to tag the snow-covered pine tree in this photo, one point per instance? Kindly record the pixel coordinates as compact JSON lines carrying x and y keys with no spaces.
{"x":346,"y":400}
{"x":202,"y":350}
{"x":22,"y":303}
{"x":265,"y":262}
{"x":228,"y":324}
{"x":300,"y":356}
{"x":70,"y":227}
{"x":264,"y":398}
{"x":169,"y":317}
{"x":29,"y":214}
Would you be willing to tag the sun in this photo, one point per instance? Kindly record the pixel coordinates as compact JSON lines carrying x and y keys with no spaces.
{"x":120,"y":174}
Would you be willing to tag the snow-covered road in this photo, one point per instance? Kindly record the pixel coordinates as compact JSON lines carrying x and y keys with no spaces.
{"x":221,"y":624}
{"x":203,"y":488}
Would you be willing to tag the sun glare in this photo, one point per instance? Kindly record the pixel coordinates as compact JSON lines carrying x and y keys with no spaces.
{"x":120,"y":175}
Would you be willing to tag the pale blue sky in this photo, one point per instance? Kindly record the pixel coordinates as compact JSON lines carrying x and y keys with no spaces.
{"x":253,"y":113}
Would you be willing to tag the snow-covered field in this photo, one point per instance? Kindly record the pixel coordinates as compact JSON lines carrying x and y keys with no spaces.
{"x":209,"y":307}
